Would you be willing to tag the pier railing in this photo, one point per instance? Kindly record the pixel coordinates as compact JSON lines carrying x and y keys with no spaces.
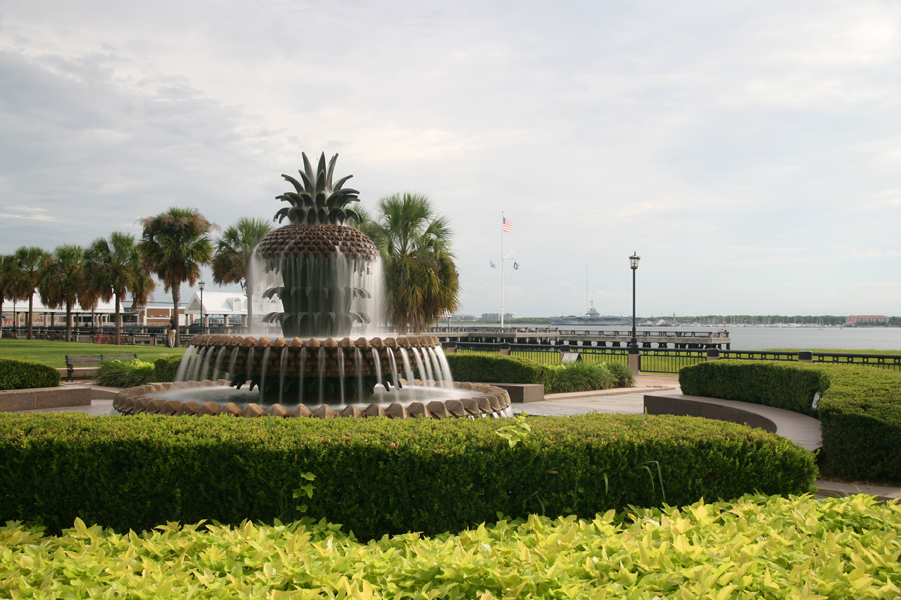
{"x":666,"y":360}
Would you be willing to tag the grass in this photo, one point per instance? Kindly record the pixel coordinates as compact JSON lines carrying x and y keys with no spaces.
{"x":54,"y":353}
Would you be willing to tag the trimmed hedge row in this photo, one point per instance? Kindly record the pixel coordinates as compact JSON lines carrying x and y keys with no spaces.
{"x":25,"y":374}
{"x":859,"y":407}
{"x":575,"y":377}
{"x":789,"y":386}
{"x":377,"y":476}
{"x":484,"y":368}
{"x":860,"y":415}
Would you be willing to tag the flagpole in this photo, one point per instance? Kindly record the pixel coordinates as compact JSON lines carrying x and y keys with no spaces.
{"x":503,"y":281}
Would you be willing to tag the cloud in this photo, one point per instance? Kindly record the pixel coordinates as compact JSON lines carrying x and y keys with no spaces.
{"x":28,"y":214}
{"x":745,"y":150}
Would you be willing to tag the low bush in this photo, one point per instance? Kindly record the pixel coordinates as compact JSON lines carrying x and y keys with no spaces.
{"x":859,"y":407}
{"x":125,"y":373}
{"x":25,"y":374}
{"x":580,"y":377}
{"x":785,"y":385}
{"x":572,"y":377}
{"x":166,"y":368}
{"x":492,"y":368}
{"x":755,"y":547}
{"x":860,"y":414}
{"x":622,"y":376}
{"x":377,"y":476}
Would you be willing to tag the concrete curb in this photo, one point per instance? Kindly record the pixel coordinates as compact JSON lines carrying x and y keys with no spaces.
{"x":41,"y":398}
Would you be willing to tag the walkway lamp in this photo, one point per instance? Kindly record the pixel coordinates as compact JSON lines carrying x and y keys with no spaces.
{"x":633,"y":262}
{"x":202,"y":324}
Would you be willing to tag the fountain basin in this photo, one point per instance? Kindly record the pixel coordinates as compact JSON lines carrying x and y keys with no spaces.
{"x":423,"y":401}
{"x":313,"y":370}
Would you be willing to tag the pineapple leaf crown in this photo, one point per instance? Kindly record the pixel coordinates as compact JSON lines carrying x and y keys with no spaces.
{"x":317,"y":200}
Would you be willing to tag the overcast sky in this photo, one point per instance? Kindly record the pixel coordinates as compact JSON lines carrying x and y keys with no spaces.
{"x":749,"y":151}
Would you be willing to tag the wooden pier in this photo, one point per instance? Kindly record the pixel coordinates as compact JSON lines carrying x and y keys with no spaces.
{"x":672,"y":338}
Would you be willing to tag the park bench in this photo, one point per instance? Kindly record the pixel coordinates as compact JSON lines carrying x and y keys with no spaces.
{"x":92,"y":360}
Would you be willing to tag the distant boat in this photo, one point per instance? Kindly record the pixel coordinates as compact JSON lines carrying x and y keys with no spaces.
{"x":592,"y":317}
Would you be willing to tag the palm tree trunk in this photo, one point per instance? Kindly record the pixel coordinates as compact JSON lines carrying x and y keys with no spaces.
{"x":68,"y":322}
{"x":30,"y":316}
{"x":118,"y":322}
{"x":176,"y":296}
{"x":248,"y":288}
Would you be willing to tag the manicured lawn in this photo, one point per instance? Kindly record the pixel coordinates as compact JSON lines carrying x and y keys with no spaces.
{"x":54,"y":353}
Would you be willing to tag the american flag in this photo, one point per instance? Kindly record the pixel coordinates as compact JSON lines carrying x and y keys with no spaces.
{"x":506,"y":225}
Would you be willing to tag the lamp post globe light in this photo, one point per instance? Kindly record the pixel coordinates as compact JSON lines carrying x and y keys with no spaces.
{"x":633,"y":262}
{"x":202,"y":324}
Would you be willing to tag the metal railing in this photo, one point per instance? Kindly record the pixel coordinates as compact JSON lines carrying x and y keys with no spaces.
{"x":882,"y":361}
{"x":669,"y":360}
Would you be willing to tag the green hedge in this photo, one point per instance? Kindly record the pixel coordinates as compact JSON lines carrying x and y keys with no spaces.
{"x":575,"y":377}
{"x":377,"y":476}
{"x":860,"y":415}
{"x":492,"y":368}
{"x":859,"y":407}
{"x":166,"y":368}
{"x":24,"y":374}
{"x":781,"y":384}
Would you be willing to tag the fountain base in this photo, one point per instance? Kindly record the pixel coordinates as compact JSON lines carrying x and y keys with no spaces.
{"x":464,"y":400}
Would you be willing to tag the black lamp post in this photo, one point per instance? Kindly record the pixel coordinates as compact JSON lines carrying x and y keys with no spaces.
{"x":202,"y":328}
{"x":633,"y":262}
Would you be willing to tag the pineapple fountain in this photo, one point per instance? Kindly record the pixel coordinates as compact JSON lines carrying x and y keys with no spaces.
{"x":324,"y":273}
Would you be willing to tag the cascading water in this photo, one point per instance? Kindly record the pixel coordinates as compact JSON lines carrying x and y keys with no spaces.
{"x":282,"y":371}
{"x":392,"y":363}
{"x":378,"y":367}
{"x":218,"y":368}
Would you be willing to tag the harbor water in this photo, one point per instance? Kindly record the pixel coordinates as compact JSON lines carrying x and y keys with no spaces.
{"x":806,"y":338}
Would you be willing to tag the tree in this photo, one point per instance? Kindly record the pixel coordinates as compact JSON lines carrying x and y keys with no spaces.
{"x":414,"y":242}
{"x":234,"y":250}
{"x":174,"y":246}
{"x":26,"y":271}
{"x":62,"y":279}
{"x":7,"y":280}
{"x":113,"y":268}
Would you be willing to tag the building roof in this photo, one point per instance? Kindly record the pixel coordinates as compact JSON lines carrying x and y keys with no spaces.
{"x":39,"y":307}
{"x":229,"y":303}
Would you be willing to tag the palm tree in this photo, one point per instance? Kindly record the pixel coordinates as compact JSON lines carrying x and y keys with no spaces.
{"x":231,"y":263}
{"x":175,"y":244}
{"x":26,"y":270}
{"x":113,"y":268}
{"x":62,"y":280}
{"x":7,"y":287}
{"x":414,"y":243}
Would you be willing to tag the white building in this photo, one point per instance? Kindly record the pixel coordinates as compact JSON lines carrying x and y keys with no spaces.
{"x":17,"y":313}
{"x":229,"y":308}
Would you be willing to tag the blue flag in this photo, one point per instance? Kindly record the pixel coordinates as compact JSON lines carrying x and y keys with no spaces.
{"x":515,"y":265}
{"x":491,"y":263}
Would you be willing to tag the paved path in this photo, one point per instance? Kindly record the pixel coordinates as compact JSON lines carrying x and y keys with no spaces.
{"x":620,"y":400}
